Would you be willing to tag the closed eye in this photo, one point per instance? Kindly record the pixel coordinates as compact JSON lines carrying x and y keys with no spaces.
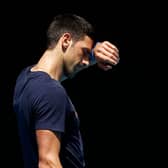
{"x":86,"y":52}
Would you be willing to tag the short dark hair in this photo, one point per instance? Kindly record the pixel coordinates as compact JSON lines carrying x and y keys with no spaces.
{"x":76,"y":25}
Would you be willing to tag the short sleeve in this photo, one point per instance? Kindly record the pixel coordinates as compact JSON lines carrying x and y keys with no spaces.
{"x":50,"y":109}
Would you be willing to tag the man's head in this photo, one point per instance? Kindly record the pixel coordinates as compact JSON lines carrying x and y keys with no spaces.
{"x":75,"y":35}
{"x":77,"y":26}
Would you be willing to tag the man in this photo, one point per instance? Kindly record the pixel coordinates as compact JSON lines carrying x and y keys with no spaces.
{"x":47,"y":121}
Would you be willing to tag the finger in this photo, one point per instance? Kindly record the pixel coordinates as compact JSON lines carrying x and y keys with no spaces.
{"x":107,"y":60}
{"x":110,"y":47}
{"x":110,"y":53}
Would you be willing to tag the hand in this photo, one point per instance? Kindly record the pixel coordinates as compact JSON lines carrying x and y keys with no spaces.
{"x":106,"y":55}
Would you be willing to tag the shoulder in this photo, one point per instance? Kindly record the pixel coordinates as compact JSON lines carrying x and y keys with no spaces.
{"x":49,"y":87}
{"x":49,"y":94}
{"x":52,"y":88}
{"x":41,"y":87}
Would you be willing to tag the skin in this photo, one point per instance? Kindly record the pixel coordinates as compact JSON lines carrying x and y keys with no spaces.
{"x":66,"y":57}
{"x":49,"y":147}
{"x":106,"y":55}
{"x":77,"y":55}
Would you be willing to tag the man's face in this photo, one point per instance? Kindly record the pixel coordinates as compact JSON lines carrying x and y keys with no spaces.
{"x":77,"y":56}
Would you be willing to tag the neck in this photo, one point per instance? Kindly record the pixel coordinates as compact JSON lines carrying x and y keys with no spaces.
{"x":51,"y":62}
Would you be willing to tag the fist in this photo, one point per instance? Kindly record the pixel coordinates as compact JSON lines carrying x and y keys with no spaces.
{"x":106,"y":55}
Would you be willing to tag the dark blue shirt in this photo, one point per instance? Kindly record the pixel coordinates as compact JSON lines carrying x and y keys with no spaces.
{"x":42,"y":103}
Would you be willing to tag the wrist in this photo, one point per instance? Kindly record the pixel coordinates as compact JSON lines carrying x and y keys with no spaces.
{"x":92,"y":58}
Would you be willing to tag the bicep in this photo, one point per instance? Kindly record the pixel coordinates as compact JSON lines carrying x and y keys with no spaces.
{"x":48,"y":147}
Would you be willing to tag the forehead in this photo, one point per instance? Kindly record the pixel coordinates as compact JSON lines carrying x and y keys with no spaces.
{"x":85,"y":42}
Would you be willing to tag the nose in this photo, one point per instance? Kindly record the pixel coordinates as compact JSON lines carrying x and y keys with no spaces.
{"x":85,"y":61}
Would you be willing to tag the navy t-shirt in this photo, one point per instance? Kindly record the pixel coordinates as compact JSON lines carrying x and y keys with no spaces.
{"x":41,"y":102}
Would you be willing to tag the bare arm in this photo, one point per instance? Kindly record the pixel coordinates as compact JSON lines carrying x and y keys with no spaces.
{"x":48,"y":149}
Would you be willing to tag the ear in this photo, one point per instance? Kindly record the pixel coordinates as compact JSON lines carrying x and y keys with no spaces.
{"x":66,"y":41}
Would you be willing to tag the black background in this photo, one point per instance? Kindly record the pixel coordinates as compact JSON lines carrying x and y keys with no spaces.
{"x":118,"y":109}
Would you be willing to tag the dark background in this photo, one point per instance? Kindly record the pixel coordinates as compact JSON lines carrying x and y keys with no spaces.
{"x":119,"y":109}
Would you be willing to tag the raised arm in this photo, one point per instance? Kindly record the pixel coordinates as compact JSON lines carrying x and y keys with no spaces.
{"x":105,"y":54}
